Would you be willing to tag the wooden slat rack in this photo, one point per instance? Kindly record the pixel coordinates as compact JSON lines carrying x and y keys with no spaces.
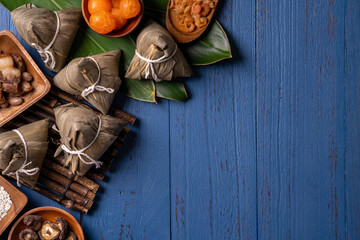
{"x":57,"y":182}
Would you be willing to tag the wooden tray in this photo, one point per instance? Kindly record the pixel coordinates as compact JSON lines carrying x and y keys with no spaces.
{"x":18,"y":199}
{"x":10,"y":44}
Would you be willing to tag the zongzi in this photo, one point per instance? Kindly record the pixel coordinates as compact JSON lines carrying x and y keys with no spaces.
{"x":95,"y":78}
{"x":157,"y":56}
{"x":50,"y":33}
{"x":23,"y":150}
{"x":85,"y":136}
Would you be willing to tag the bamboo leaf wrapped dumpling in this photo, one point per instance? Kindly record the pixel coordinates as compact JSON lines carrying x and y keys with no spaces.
{"x":23,"y":150}
{"x":157,"y":56}
{"x":50,"y":33}
{"x":85,"y":136}
{"x":96,"y":78}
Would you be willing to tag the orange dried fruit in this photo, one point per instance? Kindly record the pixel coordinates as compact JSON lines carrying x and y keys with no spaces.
{"x":129,"y":8}
{"x":120,"y":21}
{"x":99,"y":5}
{"x":115,"y":3}
{"x":102,"y":22}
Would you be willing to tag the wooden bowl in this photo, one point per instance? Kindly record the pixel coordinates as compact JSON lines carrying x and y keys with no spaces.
{"x":10,"y":44}
{"x":182,"y":37}
{"x":18,"y":200}
{"x":129,"y":27}
{"x":47,"y":214}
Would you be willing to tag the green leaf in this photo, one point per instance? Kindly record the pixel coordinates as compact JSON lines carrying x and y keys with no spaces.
{"x":174,"y":90}
{"x":212,"y":47}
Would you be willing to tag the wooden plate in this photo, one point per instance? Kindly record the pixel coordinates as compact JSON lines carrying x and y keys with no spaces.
{"x":47,"y":214}
{"x":18,"y":199}
{"x":10,"y":44}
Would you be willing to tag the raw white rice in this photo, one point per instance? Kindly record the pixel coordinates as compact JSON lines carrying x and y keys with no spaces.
{"x":5,"y":202}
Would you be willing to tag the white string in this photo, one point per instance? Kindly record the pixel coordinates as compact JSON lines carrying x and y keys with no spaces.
{"x":95,"y":86}
{"x":49,"y":55}
{"x":150,"y":67}
{"x":29,"y":172}
{"x":81,"y":153}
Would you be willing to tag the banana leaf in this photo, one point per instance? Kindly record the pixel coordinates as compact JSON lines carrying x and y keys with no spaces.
{"x":213,"y":46}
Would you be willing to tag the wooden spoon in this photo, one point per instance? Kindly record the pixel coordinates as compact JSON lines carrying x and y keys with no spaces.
{"x":182,"y":37}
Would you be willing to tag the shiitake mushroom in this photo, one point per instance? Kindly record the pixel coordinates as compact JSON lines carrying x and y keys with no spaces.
{"x":62,"y":225}
{"x":71,"y":236}
{"x":49,"y":231}
{"x":18,"y":61}
{"x":28,"y":234}
{"x":33,"y":222}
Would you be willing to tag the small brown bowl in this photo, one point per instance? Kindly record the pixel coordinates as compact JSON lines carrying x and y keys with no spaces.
{"x":47,"y":214}
{"x":10,"y":44}
{"x":129,"y":27}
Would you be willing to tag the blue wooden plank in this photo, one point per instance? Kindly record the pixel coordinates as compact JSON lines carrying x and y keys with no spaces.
{"x":352,"y":119}
{"x":135,"y":203}
{"x":212,"y":141}
{"x":300,"y":101}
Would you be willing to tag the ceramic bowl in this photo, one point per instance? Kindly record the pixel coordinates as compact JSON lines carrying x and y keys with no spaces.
{"x":10,"y":44}
{"x":129,"y":27}
{"x":47,"y":214}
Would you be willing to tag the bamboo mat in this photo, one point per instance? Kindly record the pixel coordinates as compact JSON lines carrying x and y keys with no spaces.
{"x":57,"y":182}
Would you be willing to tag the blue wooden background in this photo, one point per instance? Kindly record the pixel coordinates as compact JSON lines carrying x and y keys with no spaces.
{"x":267,"y":146}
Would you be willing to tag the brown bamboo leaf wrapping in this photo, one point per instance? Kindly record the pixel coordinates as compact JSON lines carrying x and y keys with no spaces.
{"x":78,"y":127}
{"x":12,"y":152}
{"x":72,"y":80}
{"x":154,"y":42}
{"x":38,"y":25}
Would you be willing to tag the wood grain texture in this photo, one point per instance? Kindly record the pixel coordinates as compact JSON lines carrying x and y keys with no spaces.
{"x":213,"y":174}
{"x":300,"y":107}
{"x":267,"y":146}
{"x":352,"y":119}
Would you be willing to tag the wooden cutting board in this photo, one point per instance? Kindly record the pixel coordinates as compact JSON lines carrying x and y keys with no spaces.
{"x":18,"y":199}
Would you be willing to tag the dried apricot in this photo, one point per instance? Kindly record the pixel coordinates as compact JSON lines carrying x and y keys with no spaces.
{"x":99,"y":5}
{"x":120,"y":21}
{"x":102,"y":22}
{"x":115,"y":3}
{"x":129,"y":8}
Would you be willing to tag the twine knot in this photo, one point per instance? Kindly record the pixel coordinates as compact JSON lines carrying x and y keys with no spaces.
{"x":150,"y":64}
{"x":45,"y":51}
{"x":29,"y":172}
{"x":81,"y":153}
{"x":95,"y":86}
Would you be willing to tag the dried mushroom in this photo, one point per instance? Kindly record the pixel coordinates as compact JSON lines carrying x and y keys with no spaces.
{"x":62,"y":225}
{"x":28,"y":234}
{"x":71,"y":236}
{"x":49,"y":231}
{"x":33,"y":222}
{"x":18,"y":61}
